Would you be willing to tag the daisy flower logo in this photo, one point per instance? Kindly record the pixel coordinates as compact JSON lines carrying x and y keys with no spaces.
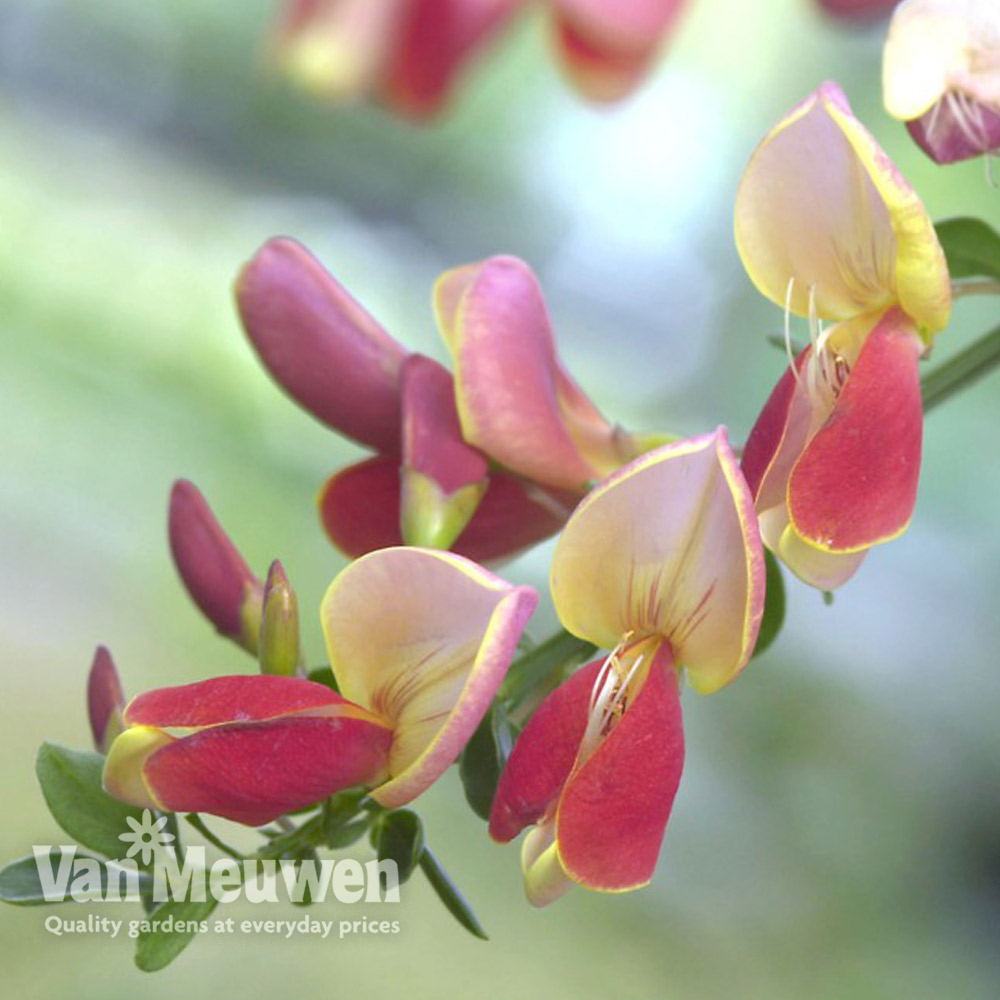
{"x":147,"y":836}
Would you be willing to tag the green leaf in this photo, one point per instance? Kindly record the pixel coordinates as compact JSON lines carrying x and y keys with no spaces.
{"x":774,"y":604}
{"x":340,"y":809}
{"x":484,"y":758}
{"x":971,"y":246}
{"x":348,"y":833}
{"x":399,"y":836}
{"x":71,"y":784}
{"x":448,"y":893}
{"x":547,"y":662}
{"x":961,"y":370}
{"x":169,"y":930}
{"x":21,"y":885}
{"x":323,"y":675}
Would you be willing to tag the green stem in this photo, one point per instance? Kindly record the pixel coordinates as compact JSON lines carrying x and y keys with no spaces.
{"x":310,"y":834}
{"x":979,"y":286}
{"x":199,"y":824}
{"x":961,"y":370}
{"x":535,"y":667}
{"x":172,"y":826}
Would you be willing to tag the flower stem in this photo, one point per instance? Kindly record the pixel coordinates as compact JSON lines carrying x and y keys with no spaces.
{"x":199,"y":824}
{"x":979,"y":286}
{"x":961,"y":370}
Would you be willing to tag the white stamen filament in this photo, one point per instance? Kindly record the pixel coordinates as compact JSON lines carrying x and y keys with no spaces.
{"x":788,"y":328}
{"x":826,"y":371}
{"x":608,"y":700}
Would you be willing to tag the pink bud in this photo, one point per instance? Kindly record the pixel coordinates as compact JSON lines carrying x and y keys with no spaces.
{"x":105,"y":699}
{"x":214,"y":573}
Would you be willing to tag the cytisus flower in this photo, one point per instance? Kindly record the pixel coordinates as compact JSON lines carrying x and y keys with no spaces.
{"x":827,"y":227}
{"x":410,"y":54}
{"x":661,"y":564}
{"x":426,"y":485}
{"x":418,"y":641}
{"x":941,"y":75}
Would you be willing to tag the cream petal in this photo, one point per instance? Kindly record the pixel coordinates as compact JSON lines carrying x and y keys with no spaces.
{"x":927,"y":41}
{"x":422,"y":639}
{"x":545,"y":879}
{"x":823,"y":214}
{"x":668,"y":546}
{"x":815,"y":566}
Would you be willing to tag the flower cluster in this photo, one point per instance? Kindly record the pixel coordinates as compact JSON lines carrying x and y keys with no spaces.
{"x":410,"y":54}
{"x":660,"y":560}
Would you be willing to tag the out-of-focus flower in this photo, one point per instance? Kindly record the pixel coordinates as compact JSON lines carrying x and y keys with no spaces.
{"x":105,"y":700}
{"x":857,"y":10}
{"x":212,"y":569}
{"x":409,"y":54}
{"x":431,"y":482}
{"x":827,"y":227}
{"x":608,"y":46}
{"x":418,"y":641}
{"x":941,"y":75}
{"x":663,"y":565}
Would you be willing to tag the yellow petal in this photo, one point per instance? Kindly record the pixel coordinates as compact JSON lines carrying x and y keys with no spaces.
{"x":422,"y":639}
{"x":668,"y":546}
{"x":123,"y":766}
{"x":823,"y":218}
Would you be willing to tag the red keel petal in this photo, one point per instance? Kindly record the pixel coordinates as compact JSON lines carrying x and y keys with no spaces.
{"x":253,"y":772}
{"x":610,"y":822}
{"x":856,"y":483}
{"x":219,"y":700}
{"x":543,"y":756}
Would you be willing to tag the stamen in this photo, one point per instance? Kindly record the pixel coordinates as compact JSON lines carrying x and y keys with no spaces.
{"x":967,"y":116}
{"x":788,"y":328}
{"x":608,"y":700}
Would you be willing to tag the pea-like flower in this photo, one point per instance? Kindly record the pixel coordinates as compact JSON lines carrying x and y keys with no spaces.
{"x":662,"y":564}
{"x":857,"y":10}
{"x":941,"y":75}
{"x":426,"y":485}
{"x":827,"y":227}
{"x":410,"y":54}
{"x":418,"y":641}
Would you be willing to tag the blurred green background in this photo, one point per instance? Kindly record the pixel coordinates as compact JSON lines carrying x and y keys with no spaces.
{"x":837,"y":832}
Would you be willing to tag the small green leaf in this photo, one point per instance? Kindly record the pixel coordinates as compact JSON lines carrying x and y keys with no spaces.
{"x":961,"y":370}
{"x":399,"y":836}
{"x":484,"y":758}
{"x":448,"y":893}
{"x":340,"y":809}
{"x":828,"y":597}
{"x":348,"y":833}
{"x":774,"y":604}
{"x":971,"y":246}
{"x":71,"y":784}
{"x":21,"y":884}
{"x":169,"y":930}
{"x":546,"y":663}
{"x":323,"y":675}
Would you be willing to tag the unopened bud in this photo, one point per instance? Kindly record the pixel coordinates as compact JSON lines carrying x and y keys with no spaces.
{"x":105,"y":700}
{"x":214,"y":573}
{"x":279,"y":626}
